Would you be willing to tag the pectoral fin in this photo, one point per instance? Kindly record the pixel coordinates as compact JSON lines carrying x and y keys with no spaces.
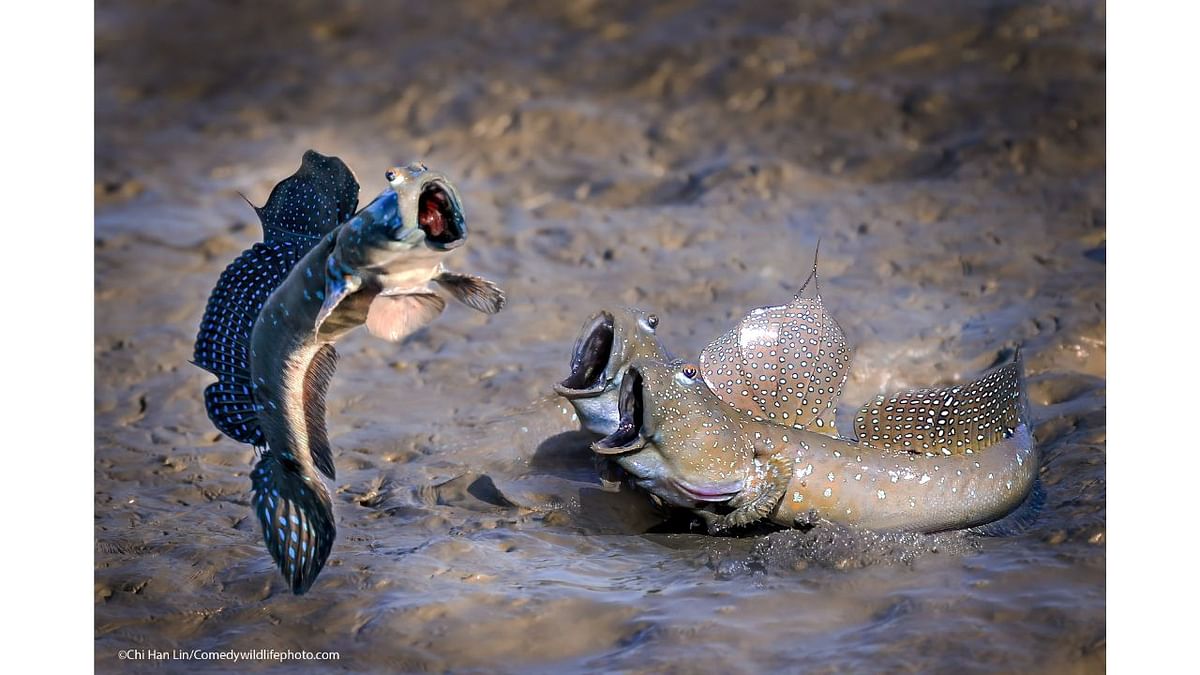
{"x":394,"y":317}
{"x":760,"y":500}
{"x":338,"y":286}
{"x":475,"y":292}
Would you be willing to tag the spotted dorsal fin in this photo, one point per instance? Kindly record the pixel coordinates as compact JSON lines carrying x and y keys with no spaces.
{"x":962,"y":419}
{"x":304,"y":207}
{"x":784,"y":364}
{"x":223,"y":343}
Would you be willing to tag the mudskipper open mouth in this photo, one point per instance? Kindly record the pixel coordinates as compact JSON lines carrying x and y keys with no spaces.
{"x":590,"y":359}
{"x":628,"y":436}
{"x":440,"y":218}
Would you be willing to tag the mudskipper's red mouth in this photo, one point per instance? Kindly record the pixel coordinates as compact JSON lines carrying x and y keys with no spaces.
{"x":439,"y":218}
{"x":590,"y":359}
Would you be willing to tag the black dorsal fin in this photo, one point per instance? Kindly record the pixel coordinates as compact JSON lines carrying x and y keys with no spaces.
{"x":304,"y":207}
{"x":223,"y":344}
{"x":316,"y":382}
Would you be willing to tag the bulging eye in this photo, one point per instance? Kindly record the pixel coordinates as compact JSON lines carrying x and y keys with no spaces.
{"x":652,"y":321}
{"x":390,"y":175}
{"x":690,"y":371}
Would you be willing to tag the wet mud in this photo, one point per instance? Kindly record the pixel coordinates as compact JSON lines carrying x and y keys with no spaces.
{"x":683,"y":157}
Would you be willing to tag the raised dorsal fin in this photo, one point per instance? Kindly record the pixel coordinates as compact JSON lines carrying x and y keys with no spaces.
{"x":962,"y":419}
{"x":784,"y":364}
{"x":223,"y":343}
{"x":301,"y":210}
{"x":304,"y":207}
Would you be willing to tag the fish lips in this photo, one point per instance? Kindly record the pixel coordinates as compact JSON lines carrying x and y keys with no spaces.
{"x":629,"y":435}
{"x":589,"y":361}
{"x":440,"y":216}
{"x":711,"y":493}
{"x":405,"y":238}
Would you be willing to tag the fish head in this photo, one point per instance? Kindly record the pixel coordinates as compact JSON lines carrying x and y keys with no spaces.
{"x":429,"y":202}
{"x":418,"y":218}
{"x":397,"y":240}
{"x":675,"y":438}
{"x":607,"y":344}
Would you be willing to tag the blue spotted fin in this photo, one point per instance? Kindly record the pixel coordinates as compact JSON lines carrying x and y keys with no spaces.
{"x":316,"y":383}
{"x":223,"y":343}
{"x":953,"y":420}
{"x":304,"y":207}
{"x":297,"y":519}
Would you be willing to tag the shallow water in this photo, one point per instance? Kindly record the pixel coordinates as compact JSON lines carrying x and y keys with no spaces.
{"x":682,"y":158}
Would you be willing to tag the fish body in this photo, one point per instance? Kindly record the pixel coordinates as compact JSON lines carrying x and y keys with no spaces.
{"x":683,"y":444}
{"x":381,"y":267}
{"x":841,"y":481}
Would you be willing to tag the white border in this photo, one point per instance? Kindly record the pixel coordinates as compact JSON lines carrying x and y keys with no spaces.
{"x":47,"y":52}
{"x":1152,"y":457}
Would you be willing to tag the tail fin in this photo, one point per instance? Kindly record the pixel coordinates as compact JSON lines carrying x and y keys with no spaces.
{"x":1020,"y":520}
{"x":954,"y":420}
{"x":297,"y":519}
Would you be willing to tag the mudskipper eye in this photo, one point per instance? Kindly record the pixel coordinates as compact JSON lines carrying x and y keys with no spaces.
{"x":390,"y":175}
{"x":652,"y":321}
{"x":690,"y":371}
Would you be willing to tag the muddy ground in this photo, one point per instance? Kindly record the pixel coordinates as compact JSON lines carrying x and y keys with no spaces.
{"x":683,"y":157}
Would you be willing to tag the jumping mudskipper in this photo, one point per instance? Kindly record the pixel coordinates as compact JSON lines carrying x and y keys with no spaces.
{"x":272,"y":320}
